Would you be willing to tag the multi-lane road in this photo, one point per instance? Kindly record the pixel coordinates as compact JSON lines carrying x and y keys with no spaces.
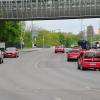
{"x":43,"y":75}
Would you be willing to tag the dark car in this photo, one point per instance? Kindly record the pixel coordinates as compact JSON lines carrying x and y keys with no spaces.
{"x":11,"y":52}
{"x":59,"y":49}
{"x":89,"y":59}
{"x":1,"y":57}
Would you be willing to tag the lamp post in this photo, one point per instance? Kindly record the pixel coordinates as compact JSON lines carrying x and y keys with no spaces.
{"x":81,"y":28}
{"x":81,"y":25}
{"x":99,"y":27}
{"x":32,"y":32}
{"x":21,"y":37}
{"x":85,"y":33}
{"x":43,"y":41}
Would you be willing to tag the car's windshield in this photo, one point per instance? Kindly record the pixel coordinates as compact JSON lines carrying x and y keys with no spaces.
{"x":10,"y":49}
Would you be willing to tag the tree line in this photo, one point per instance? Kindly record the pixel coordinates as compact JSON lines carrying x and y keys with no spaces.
{"x":13,"y":31}
{"x":48,"y":38}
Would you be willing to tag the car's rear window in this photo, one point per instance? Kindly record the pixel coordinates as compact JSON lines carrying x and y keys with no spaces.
{"x":92,"y":55}
{"x":89,"y":55}
{"x":74,"y":51}
{"x":75,"y":47}
{"x":59,"y":46}
{"x":97,"y":55}
{"x":11,"y":49}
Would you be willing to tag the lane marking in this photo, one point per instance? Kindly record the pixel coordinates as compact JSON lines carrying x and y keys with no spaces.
{"x":57,"y":98}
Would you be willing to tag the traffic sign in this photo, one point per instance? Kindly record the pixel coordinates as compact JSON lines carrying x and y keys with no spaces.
{"x":2,"y":44}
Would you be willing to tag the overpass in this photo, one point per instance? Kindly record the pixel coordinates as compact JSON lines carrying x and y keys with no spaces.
{"x":48,"y":9}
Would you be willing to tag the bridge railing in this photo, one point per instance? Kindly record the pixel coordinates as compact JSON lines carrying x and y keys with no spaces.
{"x":35,"y":9}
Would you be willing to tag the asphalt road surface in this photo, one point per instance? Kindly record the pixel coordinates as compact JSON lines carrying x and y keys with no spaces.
{"x":43,"y":75}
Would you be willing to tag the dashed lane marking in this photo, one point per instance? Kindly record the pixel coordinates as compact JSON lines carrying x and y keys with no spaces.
{"x":57,"y":98}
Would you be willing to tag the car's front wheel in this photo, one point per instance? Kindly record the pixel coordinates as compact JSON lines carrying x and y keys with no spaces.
{"x":68,"y":59}
{"x":17,"y":55}
{"x":63,"y":52}
{"x":1,"y":61}
{"x":78,"y":66}
{"x":82,"y":68}
{"x":55,"y":51}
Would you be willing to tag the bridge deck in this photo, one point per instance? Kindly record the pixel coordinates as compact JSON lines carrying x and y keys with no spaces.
{"x":48,"y":9}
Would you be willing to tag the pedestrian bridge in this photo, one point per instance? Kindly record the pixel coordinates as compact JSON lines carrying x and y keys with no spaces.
{"x":48,"y":9}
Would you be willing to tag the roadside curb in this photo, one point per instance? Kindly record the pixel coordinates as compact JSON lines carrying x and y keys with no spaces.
{"x":28,"y":50}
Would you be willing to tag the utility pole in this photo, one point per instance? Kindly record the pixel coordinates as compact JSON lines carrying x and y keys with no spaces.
{"x":43,"y":41}
{"x":85,"y":33}
{"x":81,"y":25}
{"x":82,"y":28}
{"x":99,"y":27}
{"x":21,"y":38}
{"x":32,"y":32}
{"x":35,"y":39}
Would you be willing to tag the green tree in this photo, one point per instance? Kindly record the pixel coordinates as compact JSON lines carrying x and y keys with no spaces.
{"x":55,"y":38}
{"x":27,"y":39}
{"x":9,"y":31}
{"x":61,"y":38}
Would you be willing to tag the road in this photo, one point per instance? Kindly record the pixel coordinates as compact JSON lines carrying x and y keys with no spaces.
{"x":43,"y":75}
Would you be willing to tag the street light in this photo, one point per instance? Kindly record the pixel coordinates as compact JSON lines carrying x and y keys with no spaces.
{"x":21,"y":37}
{"x":85,"y":33}
{"x":81,"y":28}
{"x":43,"y":41}
{"x":99,"y":26}
{"x":31,"y":32}
{"x":81,"y":25}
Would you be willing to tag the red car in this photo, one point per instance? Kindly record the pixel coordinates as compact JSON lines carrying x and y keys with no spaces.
{"x":73,"y":54}
{"x":89,"y":59}
{"x":59,"y":49}
{"x":11,"y":52}
{"x":77,"y":48}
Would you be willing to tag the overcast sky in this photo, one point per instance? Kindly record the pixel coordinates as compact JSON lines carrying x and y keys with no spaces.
{"x":72,"y":25}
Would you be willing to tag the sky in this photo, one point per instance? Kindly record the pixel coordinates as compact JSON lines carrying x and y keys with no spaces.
{"x":68,"y":25}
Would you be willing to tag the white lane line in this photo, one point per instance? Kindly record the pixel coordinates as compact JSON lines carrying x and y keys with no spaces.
{"x":88,"y":88}
{"x":36,"y":65}
{"x":57,"y":98}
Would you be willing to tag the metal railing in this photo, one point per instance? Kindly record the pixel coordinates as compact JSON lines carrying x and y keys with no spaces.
{"x":48,"y":9}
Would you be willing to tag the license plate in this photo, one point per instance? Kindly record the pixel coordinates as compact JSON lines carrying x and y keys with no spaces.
{"x":75,"y":57}
{"x":92,"y":64}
